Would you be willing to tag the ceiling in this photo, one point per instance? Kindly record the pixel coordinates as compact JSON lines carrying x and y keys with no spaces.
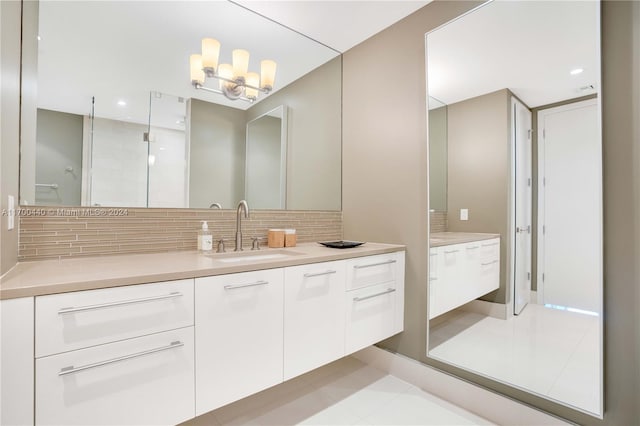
{"x":529,"y":47}
{"x":339,"y":24}
{"x":121,"y":51}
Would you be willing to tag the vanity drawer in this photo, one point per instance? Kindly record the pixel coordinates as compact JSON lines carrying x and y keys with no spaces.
{"x":489,"y":249}
{"x":76,"y":320}
{"x":146,"y":380}
{"x":372,"y":270}
{"x":372,"y":315}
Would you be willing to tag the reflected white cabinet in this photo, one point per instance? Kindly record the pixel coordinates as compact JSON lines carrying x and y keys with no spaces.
{"x":239,"y":336}
{"x":460,"y":273}
{"x":313,"y":316}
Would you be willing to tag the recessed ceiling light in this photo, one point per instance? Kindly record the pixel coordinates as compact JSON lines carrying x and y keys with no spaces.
{"x":576,"y":71}
{"x":39,"y":38}
{"x":122,"y":103}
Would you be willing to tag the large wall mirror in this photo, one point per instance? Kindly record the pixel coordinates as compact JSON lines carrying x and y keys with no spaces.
{"x":515,"y":270}
{"x":110,"y":116}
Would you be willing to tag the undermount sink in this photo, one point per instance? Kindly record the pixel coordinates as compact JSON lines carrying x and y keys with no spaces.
{"x":253,"y":256}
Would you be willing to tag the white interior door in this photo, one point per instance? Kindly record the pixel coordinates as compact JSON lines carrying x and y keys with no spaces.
{"x":521,"y":131}
{"x":570,"y":206}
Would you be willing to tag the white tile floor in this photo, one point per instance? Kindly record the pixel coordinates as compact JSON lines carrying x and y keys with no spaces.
{"x":346,"y":392}
{"x":551,"y":352}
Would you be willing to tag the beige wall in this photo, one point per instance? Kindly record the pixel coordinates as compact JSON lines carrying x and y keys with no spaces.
{"x":438,"y":159}
{"x":9,"y":125}
{"x":216,"y":155}
{"x":385,"y":152}
{"x":59,"y":145}
{"x":29,"y":101}
{"x":314,"y":137}
{"x":478,"y":172}
{"x":385,"y":181}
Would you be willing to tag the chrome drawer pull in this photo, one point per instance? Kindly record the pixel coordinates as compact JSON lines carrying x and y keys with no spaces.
{"x":318,"y":274}
{"x":71,"y":369}
{"x":433,"y":254}
{"x":490,"y":245}
{"x":233,"y":287}
{"x":451,"y":251}
{"x":120,"y":303}
{"x":387,"y":291}
{"x":386,"y":262}
{"x":489,"y":263}
{"x":473,"y":248}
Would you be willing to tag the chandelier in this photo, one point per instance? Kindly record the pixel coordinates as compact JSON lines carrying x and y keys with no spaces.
{"x":234,"y":80}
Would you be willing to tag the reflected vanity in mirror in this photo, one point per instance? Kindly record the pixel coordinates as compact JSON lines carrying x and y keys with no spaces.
{"x":515,"y":270}
{"x":124,"y":126}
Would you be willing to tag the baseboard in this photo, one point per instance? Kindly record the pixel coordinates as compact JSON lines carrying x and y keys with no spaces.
{"x":479,"y":401}
{"x":491,"y":309}
{"x":534,"y":297}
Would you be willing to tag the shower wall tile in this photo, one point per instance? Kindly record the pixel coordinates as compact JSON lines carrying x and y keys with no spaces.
{"x":74,"y":232}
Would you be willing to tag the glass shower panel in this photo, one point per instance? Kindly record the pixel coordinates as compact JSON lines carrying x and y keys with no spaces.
{"x":167,"y":154}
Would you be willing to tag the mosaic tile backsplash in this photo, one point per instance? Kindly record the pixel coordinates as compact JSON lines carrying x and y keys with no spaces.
{"x":438,"y":221}
{"x":52,"y":233}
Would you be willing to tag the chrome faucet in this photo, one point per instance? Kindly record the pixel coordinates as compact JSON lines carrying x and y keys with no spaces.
{"x":242,"y":205}
{"x":216,"y":205}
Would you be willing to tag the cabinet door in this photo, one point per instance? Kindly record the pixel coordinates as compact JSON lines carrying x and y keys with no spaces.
{"x":452,"y":269}
{"x":314,"y":316}
{"x":80,"y":319}
{"x":142,"y":381}
{"x":239,"y":336}
{"x":16,"y":361}
{"x":489,"y":265}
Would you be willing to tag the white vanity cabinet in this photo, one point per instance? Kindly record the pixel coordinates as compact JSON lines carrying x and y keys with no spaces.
{"x":239,"y":336}
{"x":314,"y":316}
{"x":374,"y":300}
{"x":460,"y":273}
{"x":120,"y":355}
{"x":163,"y":353}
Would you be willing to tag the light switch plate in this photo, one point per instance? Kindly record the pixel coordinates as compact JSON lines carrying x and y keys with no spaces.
{"x":11,"y":205}
{"x":464,"y":214}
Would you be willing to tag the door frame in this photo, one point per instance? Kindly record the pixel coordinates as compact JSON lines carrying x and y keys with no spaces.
{"x":541,"y":190}
{"x":511,"y":265}
{"x":514,"y":199}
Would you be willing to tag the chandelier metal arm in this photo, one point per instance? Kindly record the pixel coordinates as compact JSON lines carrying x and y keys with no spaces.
{"x":220,"y":92}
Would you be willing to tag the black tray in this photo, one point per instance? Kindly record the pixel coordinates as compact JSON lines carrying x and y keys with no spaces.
{"x":341,"y":244}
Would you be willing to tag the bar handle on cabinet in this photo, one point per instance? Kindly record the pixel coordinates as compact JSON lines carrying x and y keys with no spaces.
{"x":387,"y":291}
{"x":318,"y":274}
{"x":119,"y":303}
{"x":71,"y":369}
{"x":233,"y":287}
{"x":489,"y":263}
{"x":386,"y":262}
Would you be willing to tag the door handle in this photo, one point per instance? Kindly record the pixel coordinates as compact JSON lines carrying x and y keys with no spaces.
{"x":523,"y":229}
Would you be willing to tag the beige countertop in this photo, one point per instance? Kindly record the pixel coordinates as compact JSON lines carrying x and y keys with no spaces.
{"x":38,"y":278}
{"x":438,"y":239}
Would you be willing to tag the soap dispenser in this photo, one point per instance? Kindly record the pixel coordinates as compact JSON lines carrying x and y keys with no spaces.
{"x":205,"y":238}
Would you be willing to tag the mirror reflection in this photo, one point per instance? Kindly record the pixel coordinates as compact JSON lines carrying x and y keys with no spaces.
{"x":266,"y":171}
{"x":119,"y":122}
{"x":515,"y":281}
{"x":437,"y":155}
